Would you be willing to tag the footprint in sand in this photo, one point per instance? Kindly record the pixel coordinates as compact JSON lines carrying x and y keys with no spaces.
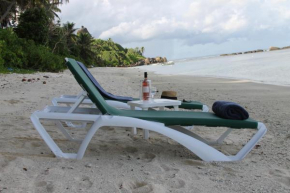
{"x":84,"y":182}
{"x":281,"y":176}
{"x":166,"y":168}
{"x":45,"y":185}
{"x":130,"y":149}
{"x":12,"y":101}
{"x":169,"y":172}
{"x":147,"y":157}
{"x":175,"y":183}
{"x":135,"y":187}
{"x":104,"y":147}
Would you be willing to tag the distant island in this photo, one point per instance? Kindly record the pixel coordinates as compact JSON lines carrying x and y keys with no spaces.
{"x":272,"y":48}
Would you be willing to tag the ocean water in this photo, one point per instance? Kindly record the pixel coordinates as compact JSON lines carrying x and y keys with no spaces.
{"x":264,"y":67}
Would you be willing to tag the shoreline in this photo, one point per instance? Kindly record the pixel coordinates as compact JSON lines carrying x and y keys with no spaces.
{"x":217,"y":77}
{"x":265,"y":67}
{"x":115,"y":161}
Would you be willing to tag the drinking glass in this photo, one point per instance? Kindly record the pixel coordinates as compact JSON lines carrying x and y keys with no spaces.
{"x":153,"y":91}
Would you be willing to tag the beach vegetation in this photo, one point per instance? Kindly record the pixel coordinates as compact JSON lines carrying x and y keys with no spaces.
{"x":34,"y":25}
{"x":39,"y":42}
{"x":20,"y":53}
{"x":113,"y":54}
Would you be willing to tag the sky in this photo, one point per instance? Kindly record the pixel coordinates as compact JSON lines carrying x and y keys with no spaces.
{"x":179,"y":29}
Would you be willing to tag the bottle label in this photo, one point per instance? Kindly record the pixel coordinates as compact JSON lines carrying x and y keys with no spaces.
{"x":145,"y":89}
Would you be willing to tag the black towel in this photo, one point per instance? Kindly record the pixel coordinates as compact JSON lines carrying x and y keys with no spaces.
{"x":229,"y":110}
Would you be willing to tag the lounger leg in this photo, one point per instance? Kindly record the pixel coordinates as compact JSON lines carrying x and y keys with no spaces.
{"x":134,"y":131}
{"x":146,"y":134}
{"x":65,"y":133}
{"x":223,"y":136}
{"x":146,"y":131}
{"x":48,"y":140}
{"x":81,"y":98}
{"x":251,"y":144}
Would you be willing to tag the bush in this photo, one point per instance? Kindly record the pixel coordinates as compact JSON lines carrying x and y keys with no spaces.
{"x":40,"y":58}
{"x":25,"y":54}
{"x":110,"y":58}
{"x":1,"y":55}
{"x":34,"y":25}
{"x":12,"y":53}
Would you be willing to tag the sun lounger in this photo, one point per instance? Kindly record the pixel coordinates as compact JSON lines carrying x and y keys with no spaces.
{"x":167,"y":123}
{"x":71,"y":99}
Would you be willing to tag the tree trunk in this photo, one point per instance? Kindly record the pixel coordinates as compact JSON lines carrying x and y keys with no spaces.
{"x":7,"y":11}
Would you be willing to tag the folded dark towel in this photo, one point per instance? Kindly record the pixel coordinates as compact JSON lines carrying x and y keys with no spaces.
{"x":229,"y":110}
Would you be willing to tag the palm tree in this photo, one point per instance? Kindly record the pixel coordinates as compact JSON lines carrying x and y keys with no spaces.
{"x":10,"y":7}
{"x":69,"y":31}
{"x":142,"y":49}
{"x":84,"y":42}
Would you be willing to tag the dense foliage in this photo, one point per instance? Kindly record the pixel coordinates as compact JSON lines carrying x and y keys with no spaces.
{"x":33,"y":25}
{"x":38,"y":43}
{"x":21,"y":53}
{"x":113,"y":54}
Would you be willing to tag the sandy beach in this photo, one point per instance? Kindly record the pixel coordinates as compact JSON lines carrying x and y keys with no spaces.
{"x":116,"y":161}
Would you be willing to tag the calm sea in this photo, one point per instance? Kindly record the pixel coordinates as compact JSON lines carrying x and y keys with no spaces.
{"x":265,"y":67}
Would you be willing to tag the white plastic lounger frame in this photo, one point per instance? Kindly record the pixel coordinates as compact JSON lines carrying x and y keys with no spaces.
{"x":193,"y":142}
{"x":82,"y":98}
{"x":71,"y":99}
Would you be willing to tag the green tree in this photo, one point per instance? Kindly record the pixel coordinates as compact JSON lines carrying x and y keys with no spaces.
{"x":84,"y":43}
{"x":9,"y":8}
{"x":142,"y":49}
{"x":63,"y":39}
{"x":70,"y":36}
{"x":34,"y":25}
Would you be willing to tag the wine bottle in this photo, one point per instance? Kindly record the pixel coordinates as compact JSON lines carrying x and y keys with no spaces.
{"x":145,"y":88}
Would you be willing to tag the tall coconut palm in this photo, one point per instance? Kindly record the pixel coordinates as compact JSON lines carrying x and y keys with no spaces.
{"x":70,"y":35}
{"x":9,"y":8}
{"x":84,"y":42}
{"x":142,"y":50}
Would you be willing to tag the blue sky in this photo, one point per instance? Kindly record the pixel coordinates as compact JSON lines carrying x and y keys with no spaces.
{"x":184,"y":28}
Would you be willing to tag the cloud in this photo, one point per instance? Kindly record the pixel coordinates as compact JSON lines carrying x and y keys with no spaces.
{"x":191,"y":22}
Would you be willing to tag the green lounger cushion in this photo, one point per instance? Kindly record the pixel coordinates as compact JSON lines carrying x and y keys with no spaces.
{"x":183,"y":118}
{"x":190,"y":105}
{"x":184,"y":104}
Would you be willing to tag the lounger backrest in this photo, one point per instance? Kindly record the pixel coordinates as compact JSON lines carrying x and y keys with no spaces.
{"x":89,"y":87}
{"x":102,"y":91}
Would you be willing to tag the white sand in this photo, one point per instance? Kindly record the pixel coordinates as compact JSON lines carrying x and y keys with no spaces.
{"x":115,"y":161}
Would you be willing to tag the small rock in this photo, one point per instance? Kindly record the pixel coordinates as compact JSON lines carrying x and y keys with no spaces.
{"x":88,"y":165}
{"x":257,"y":146}
{"x":33,"y":79}
{"x":25,"y":169}
{"x":46,"y":76}
{"x":29,"y":80}
{"x":44,"y":82}
{"x":38,"y":78}
{"x":23,"y":80}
